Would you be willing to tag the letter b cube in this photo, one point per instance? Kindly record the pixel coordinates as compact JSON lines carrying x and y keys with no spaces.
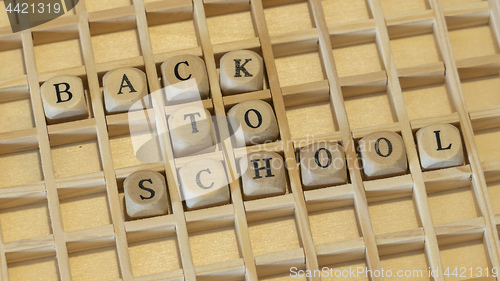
{"x":64,"y":99}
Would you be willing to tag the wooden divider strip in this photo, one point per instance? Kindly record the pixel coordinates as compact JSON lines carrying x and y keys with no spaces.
{"x":337,"y":101}
{"x":241,"y":223}
{"x":104,"y":146}
{"x":291,"y":164}
{"x":161,"y":123}
{"x":46,"y":157}
{"x":395,"y":92}
{"x":478,"y":179}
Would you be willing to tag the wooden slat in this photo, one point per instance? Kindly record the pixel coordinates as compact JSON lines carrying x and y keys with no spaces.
{"x":104,"y":147}
{"x":395,"y":93}
{"x":46,"y":157}
{"x":478,"y":179}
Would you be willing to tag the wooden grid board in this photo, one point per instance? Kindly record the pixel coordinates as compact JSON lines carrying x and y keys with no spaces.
{"x":336,"y":70}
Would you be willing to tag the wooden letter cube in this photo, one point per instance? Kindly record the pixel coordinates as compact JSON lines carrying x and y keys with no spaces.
{"x":64,"y":99}
{"x":182,"y":68}
{"x":204,"y":183}
{"x":145,"y":194}
{"x":123,"y":87}
{"x":440,"y":146}
{"x":263,"y":174}
{"x":383,"y":154}
{"x":257,"y":121}
{"x":191,"y":131}
{"x":322,"y":164}
{"x":241,"y":71}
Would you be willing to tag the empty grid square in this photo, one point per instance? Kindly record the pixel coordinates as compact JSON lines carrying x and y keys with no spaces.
{"x":481,"y":93}
{"x":310,"y":120}
{"x":288,"y":18}
{"x":25,"y":222}
{"x":418,"y":105}
{"x":20,"y":168}
{"x":487,"y":144}
{"x":84,"y":212}
{"x":39,"y":269}
{"x":16,"y":115}
{"x":472,"y":42}
{"x":339,"y":11}
{"x":123,"y":153}
{"x":58,"y":55}
{"x":299,"y":69}
{"x":333,"y":225}
{"x":12,"y":63}
{"x":394,"y":215}
{"x":76,"y":159}
{"x":413,"y":265}
{"x":116,"y":46}
{"x":357,"y":59}
{"x":154,"y":256}
{"x":415,"y":50}
{"x":273,"y":235}
{"x":467,"y":254}
{"x":173,"y":36}
{"x":231,"y":27}
{"x":369,"y":110}
{"x":452,"y":205}
{"x":396,"y":7}
{"x":81,"y":264}
{"x":214,"y":246}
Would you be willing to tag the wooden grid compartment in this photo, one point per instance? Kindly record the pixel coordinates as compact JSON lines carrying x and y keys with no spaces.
{"x":352,"y":11}
{"x":413,"y":265}
{"x":25,"y":217}
{"x":56,"y":56}
{"x":40,"y":268}
{"x":472,"y":40}
{"x":466,"y":253}
{"x":84,"y":211}
{"x":172,"y":29}
{"x":417,"y":101}
{"x":103,"y":256}
{"x":222,"y":32}
{"x":106,"y":37}
{"x":287,"y":16}
{"x":480,"y":93}
{"x":13,"y":60}
{"x":76,"y":158}
{"x":335,"y":70}
{"x":154,"y":252}
{"x":333,"y":218}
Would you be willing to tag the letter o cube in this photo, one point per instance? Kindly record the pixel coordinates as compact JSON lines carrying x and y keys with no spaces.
{"x":383,"y":154}
{"x":322,"y":164}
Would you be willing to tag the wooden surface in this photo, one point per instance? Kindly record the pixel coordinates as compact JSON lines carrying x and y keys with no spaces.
{"x":335,"y":70}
